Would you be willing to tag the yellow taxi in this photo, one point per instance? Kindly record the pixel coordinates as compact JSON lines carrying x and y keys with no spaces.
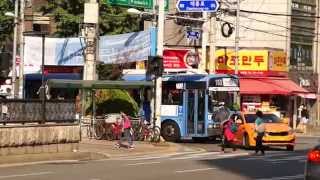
{"x":278,"y":133}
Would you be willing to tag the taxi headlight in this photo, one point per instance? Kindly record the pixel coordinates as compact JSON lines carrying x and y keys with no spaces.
{"x":210,"y":126}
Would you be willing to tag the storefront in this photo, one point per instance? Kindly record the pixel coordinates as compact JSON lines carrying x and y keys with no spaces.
{"x":264,"y":81}
{"x":33,"y":81}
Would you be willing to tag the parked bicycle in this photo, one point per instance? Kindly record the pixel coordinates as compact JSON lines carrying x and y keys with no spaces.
{"x":145,"y":132}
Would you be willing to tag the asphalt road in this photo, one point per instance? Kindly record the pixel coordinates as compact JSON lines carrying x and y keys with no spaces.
{"x":201,"y":165}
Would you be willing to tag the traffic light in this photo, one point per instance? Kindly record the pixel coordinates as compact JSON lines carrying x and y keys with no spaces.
{"x":155,"y":66}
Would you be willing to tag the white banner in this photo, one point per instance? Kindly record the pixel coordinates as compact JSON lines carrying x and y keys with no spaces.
{"x":114,"y":49}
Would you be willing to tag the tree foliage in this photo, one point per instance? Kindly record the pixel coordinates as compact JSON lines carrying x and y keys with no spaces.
{"x":6,"y":23}
{"x":114,"y":101}
{"x":68,"y":15}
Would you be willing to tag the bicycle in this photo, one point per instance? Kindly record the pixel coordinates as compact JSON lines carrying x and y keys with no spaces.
{"x":145,"y":132}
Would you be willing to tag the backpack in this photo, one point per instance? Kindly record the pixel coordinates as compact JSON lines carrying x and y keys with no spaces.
{"x":234,"y":127}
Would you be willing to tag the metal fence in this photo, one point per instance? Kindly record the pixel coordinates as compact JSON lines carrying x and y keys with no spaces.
{"x":30,"y":111}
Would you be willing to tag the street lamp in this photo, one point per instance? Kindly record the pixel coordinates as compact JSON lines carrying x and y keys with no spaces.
{"x":9,"y":14}
{"x":135,"y":11}
{"x":160,"y":17}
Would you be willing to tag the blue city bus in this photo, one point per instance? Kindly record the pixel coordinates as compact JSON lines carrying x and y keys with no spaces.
{"x":190,"y":104}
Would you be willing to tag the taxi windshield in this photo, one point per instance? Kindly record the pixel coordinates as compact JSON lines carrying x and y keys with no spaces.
{"x":267,"y":118}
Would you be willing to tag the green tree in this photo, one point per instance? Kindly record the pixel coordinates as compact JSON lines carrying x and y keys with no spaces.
{"x":6,"y":23}
{"x":68,"y":15}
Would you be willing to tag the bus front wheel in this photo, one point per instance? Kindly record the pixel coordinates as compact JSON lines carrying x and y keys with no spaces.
{"x":170,"y":131}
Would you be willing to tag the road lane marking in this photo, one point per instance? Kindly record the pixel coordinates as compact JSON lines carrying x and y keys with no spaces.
{"x":299,"y":176}
{"x":143,"y":163}
{"x":194,"y":170}
{"x":195,"y":156}
{"x":24,"y":175}
{"x":150,"y":157}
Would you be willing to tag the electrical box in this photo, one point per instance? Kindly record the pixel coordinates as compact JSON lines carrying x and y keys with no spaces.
{"x":91,"y":13}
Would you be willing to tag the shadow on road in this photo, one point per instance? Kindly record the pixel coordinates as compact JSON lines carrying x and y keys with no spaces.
{"x":258,"y":166}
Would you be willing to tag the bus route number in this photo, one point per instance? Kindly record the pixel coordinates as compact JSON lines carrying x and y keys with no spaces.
{"x":218,"y":82}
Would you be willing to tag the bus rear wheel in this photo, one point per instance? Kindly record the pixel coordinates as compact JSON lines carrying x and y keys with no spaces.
{"x":170,"y":131}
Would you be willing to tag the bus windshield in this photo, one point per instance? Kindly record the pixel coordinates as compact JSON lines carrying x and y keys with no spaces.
{"x":218,"y":99}
{"x":220,"y":103}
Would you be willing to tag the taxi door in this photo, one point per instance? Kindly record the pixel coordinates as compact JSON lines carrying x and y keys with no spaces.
{"x":239,"y":135}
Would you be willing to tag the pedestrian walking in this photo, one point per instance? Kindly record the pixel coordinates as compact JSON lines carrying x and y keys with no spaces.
{"x":127,"y":131}
{"x":304,"y":119}
{"x":229,"y":128}
{"x":260,"y":130}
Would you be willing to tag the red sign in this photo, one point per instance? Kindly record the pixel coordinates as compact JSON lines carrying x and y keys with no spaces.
{"x":62,"y":69}
{"x":180,"y":59}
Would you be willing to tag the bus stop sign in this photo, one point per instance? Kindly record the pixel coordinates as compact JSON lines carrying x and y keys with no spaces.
{"x":197,"y":5}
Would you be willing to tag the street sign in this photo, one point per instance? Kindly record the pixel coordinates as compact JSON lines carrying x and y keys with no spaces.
{"x":197,"y":5}
{"x":193,"y":35}
{"x":147,"y":4}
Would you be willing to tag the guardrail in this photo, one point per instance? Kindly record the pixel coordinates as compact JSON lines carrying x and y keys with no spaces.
{"x":31,"y":111}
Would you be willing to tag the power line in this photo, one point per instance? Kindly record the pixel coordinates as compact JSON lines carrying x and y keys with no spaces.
{"x":285,"y":27}
{"x":272,"y":14}
{"x":260,"y":30}
{"x":279,"y":14}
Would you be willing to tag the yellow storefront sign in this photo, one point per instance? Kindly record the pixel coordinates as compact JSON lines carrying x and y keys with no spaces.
{"x":249,"y":60}
{"x":278,"y":61}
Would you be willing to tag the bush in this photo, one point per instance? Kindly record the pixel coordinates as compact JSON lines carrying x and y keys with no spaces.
{"x":114,"y":101}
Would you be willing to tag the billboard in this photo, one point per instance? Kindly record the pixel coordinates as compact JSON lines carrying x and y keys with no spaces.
{"x":252,"y":62}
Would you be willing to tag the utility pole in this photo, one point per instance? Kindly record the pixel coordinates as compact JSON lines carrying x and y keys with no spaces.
{"x":89,"y":32}
{"x":14,"y":51}
{"x":21,"y":65}
{"x":158,"y":81}
{"x":204,"y":41}
{"x":212,"y":44}
{"x":237,"y":38}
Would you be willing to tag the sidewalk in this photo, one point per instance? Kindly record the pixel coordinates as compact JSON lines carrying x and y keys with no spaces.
{"x":91,"y":149}
{"x":312,"y":131}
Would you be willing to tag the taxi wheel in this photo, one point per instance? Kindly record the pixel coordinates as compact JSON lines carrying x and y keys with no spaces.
{"x":245,"y":141}
{"x":290,"y":148}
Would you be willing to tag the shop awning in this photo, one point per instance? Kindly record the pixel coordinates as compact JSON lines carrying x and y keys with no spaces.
{"x":37,"y":77}
{"x":87,"y":84}
{"x":276,"y":86}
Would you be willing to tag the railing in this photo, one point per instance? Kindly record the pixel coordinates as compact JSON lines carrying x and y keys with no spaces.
{"x":31,"y":111}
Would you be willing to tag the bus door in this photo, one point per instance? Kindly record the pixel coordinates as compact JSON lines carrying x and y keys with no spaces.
{"x":195,"y":112}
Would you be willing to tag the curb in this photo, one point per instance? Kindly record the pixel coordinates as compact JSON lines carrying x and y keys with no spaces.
{"x":47,"y":158}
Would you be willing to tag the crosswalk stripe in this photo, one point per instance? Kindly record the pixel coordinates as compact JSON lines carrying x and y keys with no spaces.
{"x":293,"y":158}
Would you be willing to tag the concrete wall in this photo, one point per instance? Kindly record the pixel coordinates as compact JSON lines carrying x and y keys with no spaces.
{"x":35,"y":139}
{"x":259,"y":30}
